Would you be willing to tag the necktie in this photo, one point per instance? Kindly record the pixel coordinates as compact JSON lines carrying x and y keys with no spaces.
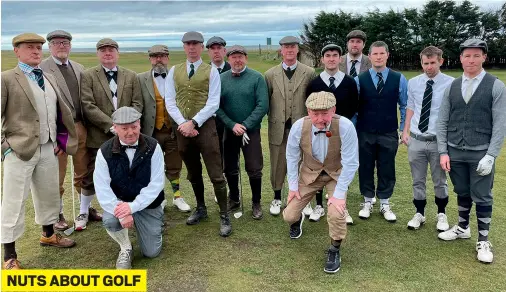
{"x":353,"y":70}
{"x":381,"y":84}
{"x":111,"y":77}
{"x":236,"y":74}
{"x":289,"y":73}
{"x":163,"y":75}
{"x":332,"y":85}
{"x":192,"y":71}
{"x":40,"y":78}
{"x":125,"y":147}
{"x":469,"y":90}
{"x":423,"y":125}
{"x":219,"y":70}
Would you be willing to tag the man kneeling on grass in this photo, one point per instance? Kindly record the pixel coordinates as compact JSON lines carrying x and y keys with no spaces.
{"x":129,"y":180}
{"x":329,"y":147}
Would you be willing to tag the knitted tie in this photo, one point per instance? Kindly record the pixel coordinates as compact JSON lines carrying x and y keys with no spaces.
{"x":111,"y":77}
{"x":423,"y":125}
{"x":353,"y":70}
{"x":40,"y":78}
{"x":332,"y":85}
{"x":192,"y":71}
{"x":381,"y":84}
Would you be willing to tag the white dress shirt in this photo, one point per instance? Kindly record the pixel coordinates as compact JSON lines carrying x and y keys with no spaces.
{"x":357,"y":65}
{"x":416,"y":90}
{"x":220,"y":67}
{"x":160,"y":82}
{"x":339,"y":76}
{"x":102,"y":179}
{"x":58,"y":62}
{"x":293,"y":67}
{"x":320,"y":144}
{"x":213,"y":97}
{"x":466,"y":80}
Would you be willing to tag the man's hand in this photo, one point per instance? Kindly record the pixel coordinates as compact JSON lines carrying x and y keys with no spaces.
{"x":193,"y":133}
{"x":239,"y":129}
{"x":405,"y":137}
{"x":444,"y":161}
{"x":127,"y":222}
{"x":122,"y":210}
{"x":485,"y":165}
{"x":186,"y":128}
{"x":58,"y":151}
{"x":339,"y":204}
{"x":293,"y":194}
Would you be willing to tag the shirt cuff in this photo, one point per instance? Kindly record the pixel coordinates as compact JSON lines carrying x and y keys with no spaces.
{"x":339,"y":194}
{"x":134,"y":206}
{"x":294,"y":185}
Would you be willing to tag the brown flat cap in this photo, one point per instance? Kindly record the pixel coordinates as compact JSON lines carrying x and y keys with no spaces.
{"x":332,"y":47}
{"x":237,"y":49}
{"x":474,"y":43}
{"x":215,"y":40}
{"x":320,"y":100}
{"x":192,"y":36}
{"x":58,"y":34}
{"x":107,"y":42}
{"x":28,"y":37}
{"x":289,"y":40}
{"x":158,"y":50}
{"x":356,"y":34}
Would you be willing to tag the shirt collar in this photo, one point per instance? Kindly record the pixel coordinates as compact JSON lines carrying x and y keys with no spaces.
{"x":125,"y":144}
{"x":25,"y":68}
{"x":478,"y":77}
{"x":383,"y":72}
{"x":221,"y":66}
{"x":244,"y":69}
{"x":113,"y":69}
{"x":326,"y":75}
{"x":197,"y":63}
{"x":293,"y":67}
{"x":359,"y":59}
{"x":58,"y":62}
{"x":436,"y":78}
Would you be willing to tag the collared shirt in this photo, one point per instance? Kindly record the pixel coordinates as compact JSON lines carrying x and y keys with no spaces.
{"x":160,"y":82}
{"x":213,"y":98}
{"x":102,"y":179}
{"x":339,"y":76}
{"x":28,"y":70}
{"x":220,"y":67}
{"x":240,"y":71}
{"x":115,"y":69}
{"x":58,"y":62}
{"x":466,"y":80}
{"x":416,"y":90}
{"x":403,"y":90}
{"x":357,"y":65}
{"x":293,"y":67}
{"x":320,"y":144}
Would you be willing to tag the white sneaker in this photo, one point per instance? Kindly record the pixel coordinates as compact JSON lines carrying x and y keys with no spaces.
{"x":164,"y":203}
{"x":307,"y":210}
{"x":387,"y":213}
{"x":484,"y":249}
{"x":317,"y":213}
{"x":275,"y":207}
{"x":349,"y":220}
{"x":181,"y":204}
{"x":326,"y":196}
{"x":416,"y":221}
{"x":366,"y":210}
{"x":454,"y":233}
{"x":215,"y":200}
{"x":442,"y":222}
{"x":81,"y":222}
{"x":373,"y":200}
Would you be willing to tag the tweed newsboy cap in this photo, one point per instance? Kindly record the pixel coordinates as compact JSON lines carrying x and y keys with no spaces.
{"x":27,"y":38}
{"x":107,"y":42}
{"x":474,"y":43}
{"x":58,"y":34}
{"x":356,"y":34}
{"x":192,"y":36}
{"x":125,"y":115}
{"x":158,"y":50}
{"x":215,"y":40}
{"x":320,"y":100}
{"x":237,"y":49}
{"x":332,"y":47}
{"x":288,"y":40}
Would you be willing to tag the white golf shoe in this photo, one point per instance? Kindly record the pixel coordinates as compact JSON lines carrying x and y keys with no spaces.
{"x":484,"y":252}
{"x":307,"y":210}
{"x":387,"y":213}
{"x":454,"y":233}
{"x":442,"y":222}
{"x":417,"y":221}
{"x":317,"y":213}
{"x":275,"y":208}
{"x":349,"y":220}
{"x":181,"y":204}
{"x":366,"y":210}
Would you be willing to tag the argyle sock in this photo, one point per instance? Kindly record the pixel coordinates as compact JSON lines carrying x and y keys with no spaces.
{"x":174,"y":183}
{"x":464,"y":204}
{"x":484,"y":217}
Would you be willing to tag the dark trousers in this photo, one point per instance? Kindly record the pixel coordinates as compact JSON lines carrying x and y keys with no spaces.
{"x":377,"y":150}
{"x":87,"y":186}
{"x":220,"y":129}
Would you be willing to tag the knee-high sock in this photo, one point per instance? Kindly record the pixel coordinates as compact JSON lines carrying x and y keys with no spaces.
{"x":174,"y":183}
{"x":441,"y":204}
{"x":420,"y":206}
{"x":319,"y":197}
{"x":484,"y":217}
{"x":85,"y":204}
{"x":10,"y":251}
{"x":121,"y":237}
{"x":464,"y":204}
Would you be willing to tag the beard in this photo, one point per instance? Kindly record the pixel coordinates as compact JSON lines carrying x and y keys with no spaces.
{"x":160,"y":68}
{"x":62,"y":55}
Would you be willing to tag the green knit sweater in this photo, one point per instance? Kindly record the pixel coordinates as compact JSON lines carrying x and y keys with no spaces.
{"x":244,"y":99}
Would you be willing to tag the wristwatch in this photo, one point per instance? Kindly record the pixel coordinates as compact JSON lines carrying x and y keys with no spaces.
{"x":195,"y":123}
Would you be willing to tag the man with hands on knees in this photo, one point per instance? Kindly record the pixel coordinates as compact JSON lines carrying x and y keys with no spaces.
{"x":129,"y":181}
{"x":329,"y":147}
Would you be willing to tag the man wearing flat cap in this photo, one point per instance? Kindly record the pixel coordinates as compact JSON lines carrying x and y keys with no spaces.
{"x":155,"y":121}
{"x":327,"y":145}
{"x":470,"y":134}
{"x":192,"y":97}
{"x":104,"y":89}
{"x":37,"y":126}
{"x":129,"y":181}
{"x":286,"y":84}
{"x":344,"y":88}
{"x":244,"y":103}
{"x":68,"y":77}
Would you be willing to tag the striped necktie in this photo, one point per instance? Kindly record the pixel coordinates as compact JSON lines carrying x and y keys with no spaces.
{"x":192,"y":71}
{"x":353,"y":70}
{"x":381,"y":84}
{"x":332,"y":86}
{"x":40,"y":78}
{"x":423,"y":125}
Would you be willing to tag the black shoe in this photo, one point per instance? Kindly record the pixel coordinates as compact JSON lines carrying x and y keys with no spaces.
{"x":333,"y":263}
{"x":233,"y":205}
{"x":296,"y":228}
{"x":257,"y":211}
{"x":200,"y":213}
{"x":225,"y":226}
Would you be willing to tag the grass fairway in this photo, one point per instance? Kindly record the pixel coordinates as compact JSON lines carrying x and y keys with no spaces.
{"x":259,"y":255}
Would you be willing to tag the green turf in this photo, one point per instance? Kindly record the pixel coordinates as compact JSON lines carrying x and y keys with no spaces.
{"x":259,"y":256}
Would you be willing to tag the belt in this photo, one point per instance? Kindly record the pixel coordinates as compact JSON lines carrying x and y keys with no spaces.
{"x":430,"y":138}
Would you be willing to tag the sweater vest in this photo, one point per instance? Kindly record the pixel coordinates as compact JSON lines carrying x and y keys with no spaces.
{"x":191,"y":94}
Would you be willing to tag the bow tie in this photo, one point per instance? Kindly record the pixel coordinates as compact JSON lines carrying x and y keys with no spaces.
{"x":125,"y":147}
{"x":161,"y":74}
{"x":111,"y":73}
{"x":327,"y":133}
{"x":236,"y":74}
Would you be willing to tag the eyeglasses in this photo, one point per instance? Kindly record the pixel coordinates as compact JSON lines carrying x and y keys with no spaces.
{"x":65,"y":44}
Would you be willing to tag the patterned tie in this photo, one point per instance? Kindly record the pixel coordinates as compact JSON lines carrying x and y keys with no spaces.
{"x":219,"y":70}
{"x":469,"y":90}
{"x":111,"y":77}
{"x":40,"y":78}
{"x":381,"y":84}
{"x":353,"y":70}
{"x":423,"y":125}
{"x":332,"y":86}
{"x":192,"y":71}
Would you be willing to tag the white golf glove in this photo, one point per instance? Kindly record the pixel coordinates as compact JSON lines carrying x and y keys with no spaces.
{"x":112,"y":130}
{"x":485,"y":165}
{"x":245,"y":139}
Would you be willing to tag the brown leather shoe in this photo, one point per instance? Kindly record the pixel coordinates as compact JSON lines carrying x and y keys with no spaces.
{"x":93,"y":215}
{"x":61,"y":224}
{"x":12,"y":264}
{"x":56,"y":240}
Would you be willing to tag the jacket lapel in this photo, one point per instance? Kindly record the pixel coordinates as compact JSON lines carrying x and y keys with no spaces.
{"x":278,"y":78}
{"x":148,"y":81}
{"x":298,"y":76}
{"x":121,"y":83}
{"x":22,"y":80}
{"x":103,"y":80}
{"x":55,"y":71}
{"x":77,"y":71}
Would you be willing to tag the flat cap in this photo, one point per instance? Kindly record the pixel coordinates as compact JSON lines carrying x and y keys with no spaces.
{"x":215,"y":40}
{"x":356,"y":34}
{"x":107,"y":42}
{"x":192,"y":36}
{"x":332,"y":47}
{"x":237,"y":49}
{"x":288,"y":40}
{"x":125,"y":115}
{"x":474,"y":43}
{"x":158,"y":50}
{"x":320,"y":100}
{"x":28,"y":37}
{"x":58,"y":34}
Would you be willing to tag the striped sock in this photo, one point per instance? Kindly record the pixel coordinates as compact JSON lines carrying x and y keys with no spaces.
{"x":464,"y":204}
{"x":174,"y":183}
{"x":484,"y":216}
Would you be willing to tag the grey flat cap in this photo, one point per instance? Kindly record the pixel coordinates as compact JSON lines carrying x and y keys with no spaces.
{"x":356,"y":34}
{"x":192,"y":36}
{"x":125,"y":115}
{"x":58,"y":34}
{"x":158,"y":50}
{"x":474,"y":43}
{"x":237,"y":49}
{"x":288,"y":40}
{"x":215,"y":40}
{"x":332,"y":47}
{"x":107,"y":42}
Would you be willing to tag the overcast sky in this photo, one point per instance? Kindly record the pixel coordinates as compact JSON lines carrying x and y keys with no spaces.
{"x":142,"y":24}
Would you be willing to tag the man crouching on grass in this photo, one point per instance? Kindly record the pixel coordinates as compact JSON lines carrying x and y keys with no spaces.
{"x":329,"y":147}
{"x":129,"y":180}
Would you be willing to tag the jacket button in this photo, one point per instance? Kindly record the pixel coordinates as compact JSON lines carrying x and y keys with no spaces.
{"x":36,"y":120}
{"x":37,"y":136}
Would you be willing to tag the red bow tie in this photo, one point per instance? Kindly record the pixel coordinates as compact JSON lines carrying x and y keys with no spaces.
{"x":236,"y":74}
